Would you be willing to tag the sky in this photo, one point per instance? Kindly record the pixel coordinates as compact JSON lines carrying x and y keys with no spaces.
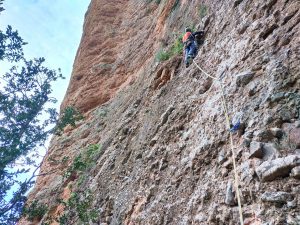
{"x":52,"y":29}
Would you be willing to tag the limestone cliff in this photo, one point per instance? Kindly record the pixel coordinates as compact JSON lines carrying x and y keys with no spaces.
{"x":154,"y":147}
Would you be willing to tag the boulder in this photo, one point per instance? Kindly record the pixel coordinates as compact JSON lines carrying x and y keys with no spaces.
{"x":295,"y":173}
{"x":276,"y":132}
{"x":263,"y":135}
{"x":281,"y":167}
{"x":247,"y":171}
{"x":244,"y":78}
{"x":256,"y":149}
{"x":292,"y":204}
{"x":270,"y":151}
{"x":276,"y":197}
{"x":277,"y":96}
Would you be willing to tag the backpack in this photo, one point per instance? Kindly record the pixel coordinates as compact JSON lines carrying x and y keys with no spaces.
{"x":187,"y":39}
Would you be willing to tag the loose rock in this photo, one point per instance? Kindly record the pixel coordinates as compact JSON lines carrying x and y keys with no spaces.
{"x":229,"y":199}
{"x":276,"y":132}
{"x":270,"y":151}
{"x":295,"y":173}
{"x":263,"y":135}
{"x":276,"y":197}
{"x":244,"y":78}
{"x":292,"y":204}
{"x":256,"y":149}
{"x":166,"y":114}
{"x":281,"y":167}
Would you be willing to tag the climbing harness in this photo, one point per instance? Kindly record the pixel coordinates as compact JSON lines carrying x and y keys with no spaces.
{"x":227,"y":121}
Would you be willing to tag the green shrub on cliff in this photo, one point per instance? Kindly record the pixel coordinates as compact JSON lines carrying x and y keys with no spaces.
{"x":35,"y":211}
{"x":79,"y":206}
{"x":70,"y":116}
{"x":84,"y":160}
{"x":163,"y":55}
{"x":175,"y":49}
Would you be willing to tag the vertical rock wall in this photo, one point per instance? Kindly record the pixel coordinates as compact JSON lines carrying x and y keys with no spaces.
{"x":165,"y":156}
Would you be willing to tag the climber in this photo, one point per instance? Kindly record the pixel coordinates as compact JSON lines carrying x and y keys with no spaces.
{"x":191,"y":43}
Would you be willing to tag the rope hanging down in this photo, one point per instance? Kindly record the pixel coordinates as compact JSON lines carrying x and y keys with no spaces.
{"x":227,"y":121}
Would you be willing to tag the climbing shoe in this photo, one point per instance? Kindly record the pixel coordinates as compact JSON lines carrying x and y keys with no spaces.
{"x":188,"y":61}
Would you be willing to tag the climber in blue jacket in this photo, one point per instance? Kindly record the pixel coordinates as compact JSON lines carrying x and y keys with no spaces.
{"x":191,"y":42}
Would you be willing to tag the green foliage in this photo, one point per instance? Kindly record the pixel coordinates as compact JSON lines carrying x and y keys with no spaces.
{"x":26,"y":118}
{"x":82,"y":178}
{"x":92,"y":152}
{"x":35,"y":211}
{"x":11,"y":45}
{"x":24,"y":97}
{"x":63,"y":219}
{"x":79,"y":205}
{"x":69,"y":117}
{"x":202,"y":11}
{"x":163,"y":55}
{"x":84,"y":160}
{"x":176,"y":49}
{"x":22,"y":102}
{"x":1,"y":8}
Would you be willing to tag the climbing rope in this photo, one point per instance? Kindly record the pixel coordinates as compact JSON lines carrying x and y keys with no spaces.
{"x":227,"y":121}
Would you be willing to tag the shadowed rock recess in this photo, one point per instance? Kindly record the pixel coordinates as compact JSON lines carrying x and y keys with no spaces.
{"x":153,"y":147}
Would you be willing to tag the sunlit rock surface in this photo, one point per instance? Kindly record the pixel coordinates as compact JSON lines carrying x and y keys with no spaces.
{"x":165,"y":153}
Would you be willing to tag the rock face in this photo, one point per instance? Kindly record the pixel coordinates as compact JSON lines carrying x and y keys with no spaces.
{"x":109,"y":56}
{"x":165,"y":155}
{"x":280,"y":167}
